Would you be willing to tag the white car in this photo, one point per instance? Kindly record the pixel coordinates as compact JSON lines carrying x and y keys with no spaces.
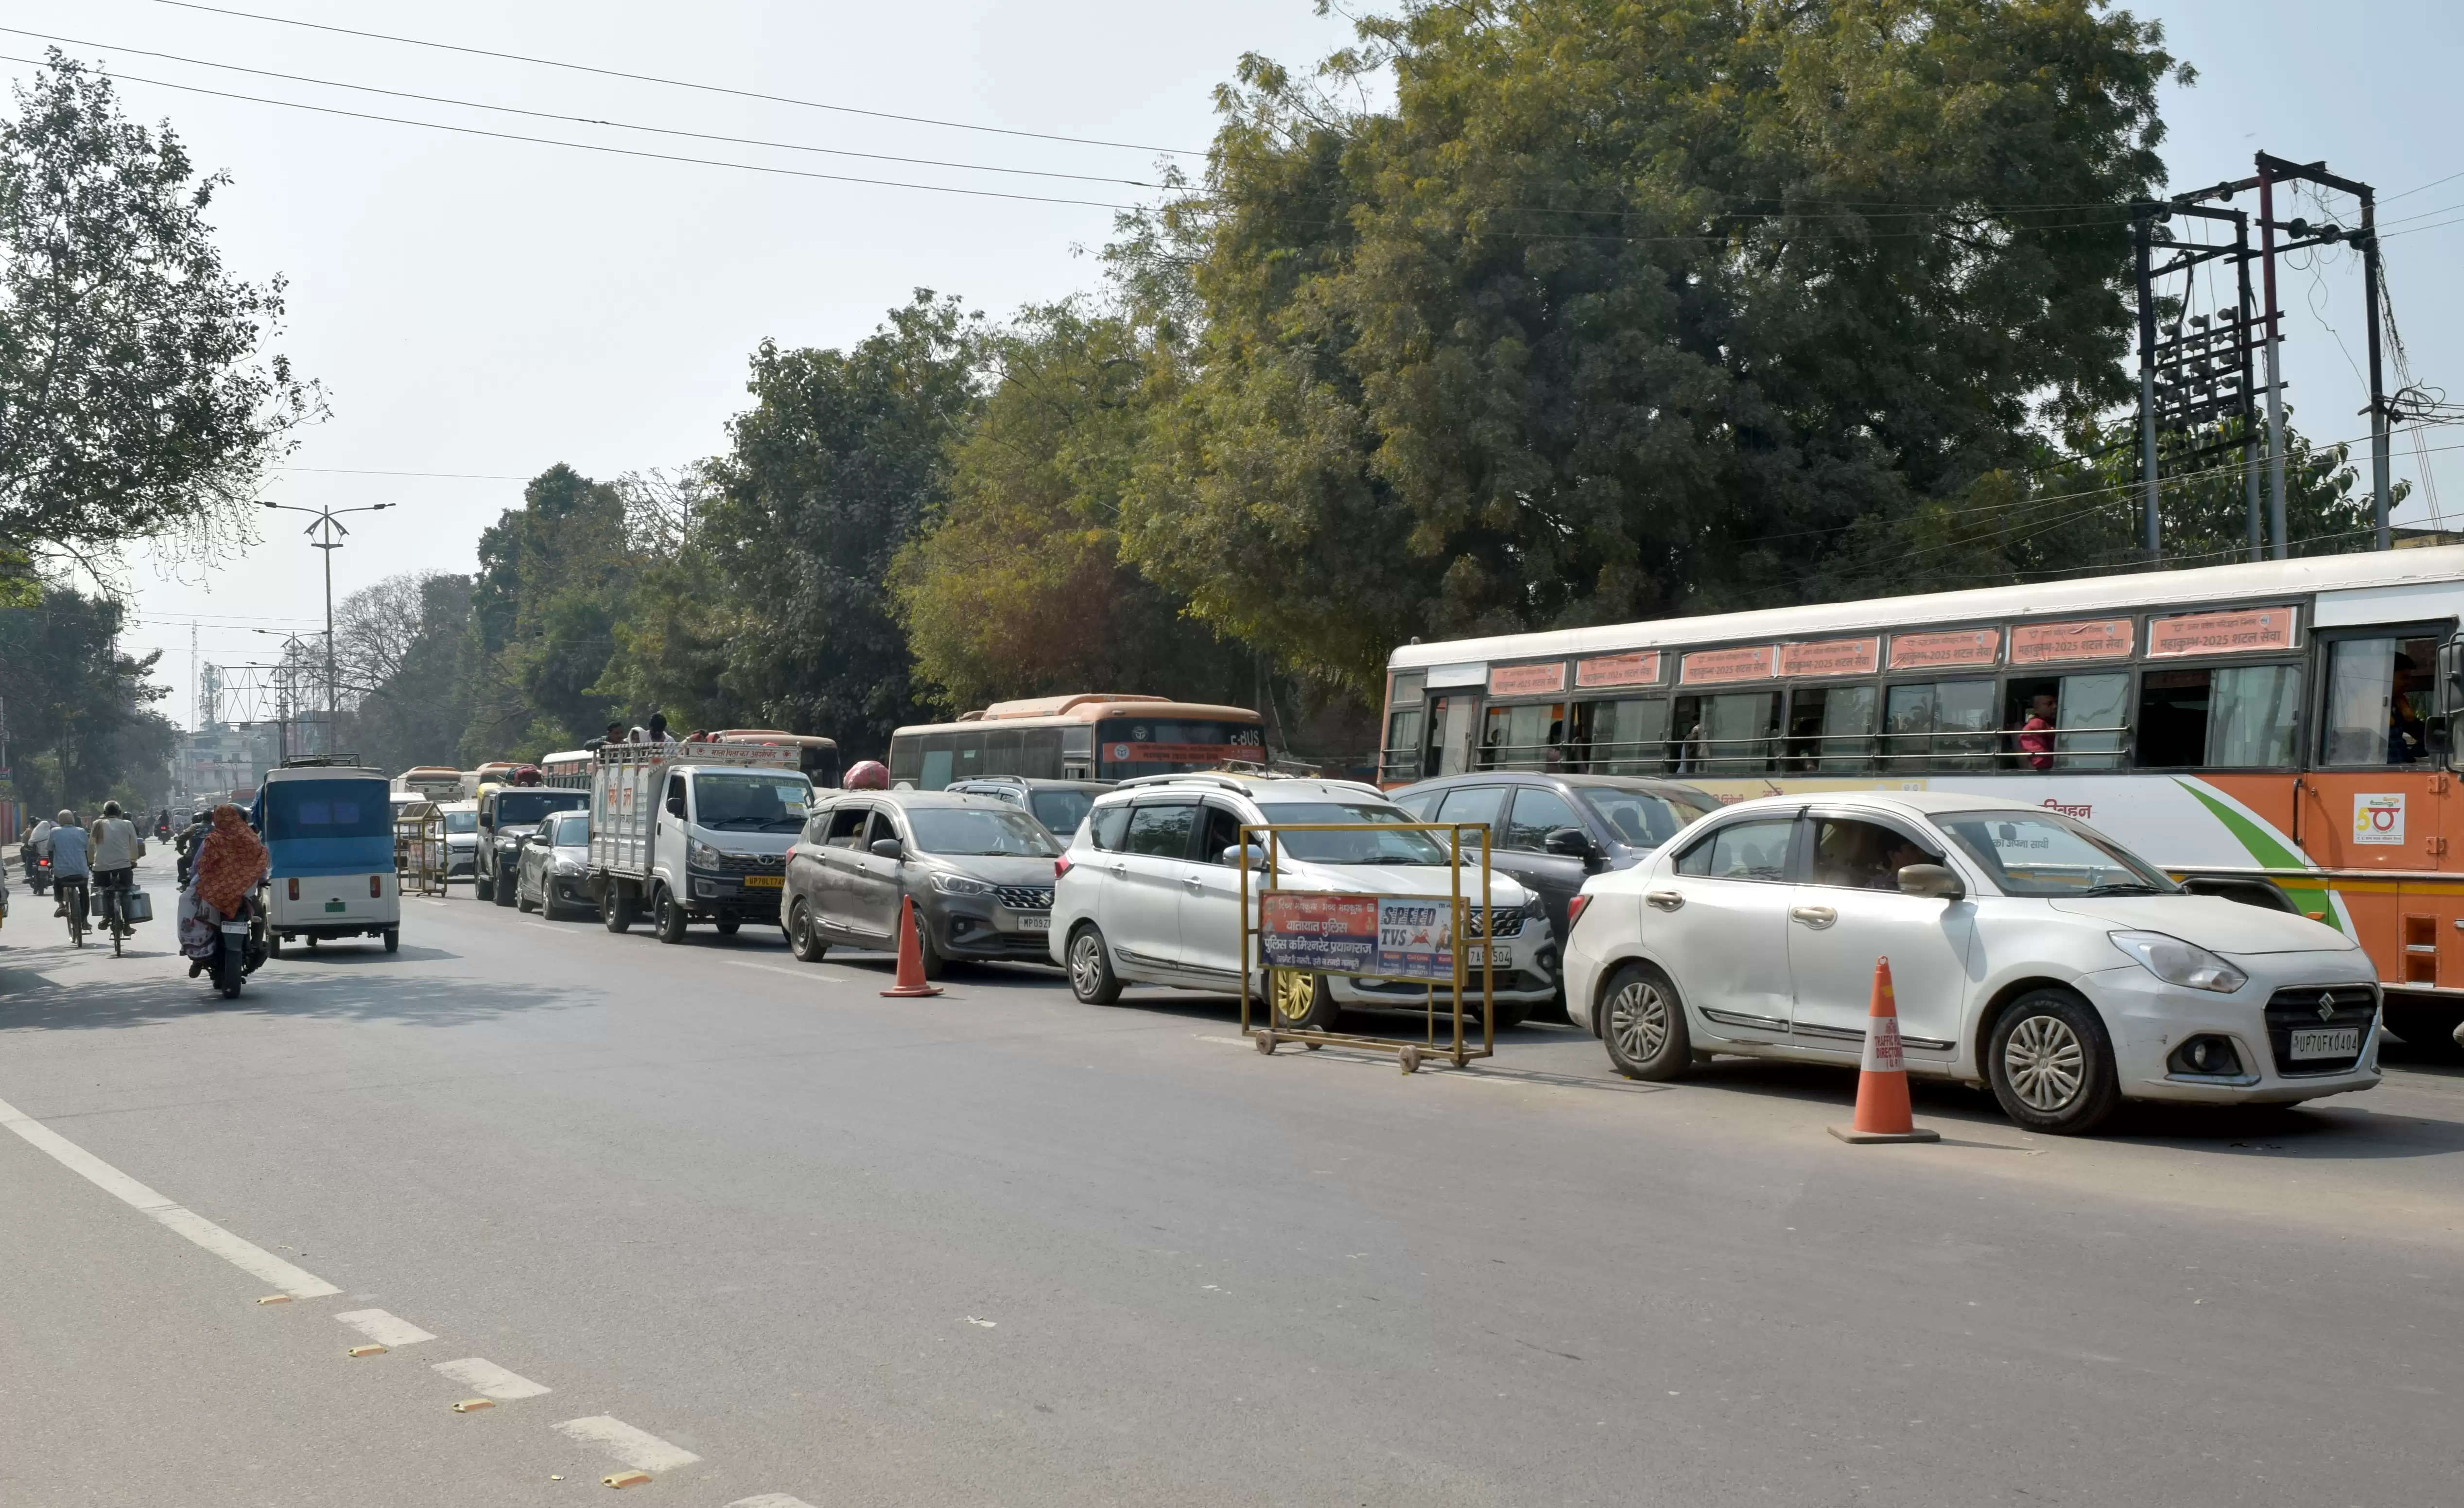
{"x":1149,"y":893}
{"x":2028,"y":951}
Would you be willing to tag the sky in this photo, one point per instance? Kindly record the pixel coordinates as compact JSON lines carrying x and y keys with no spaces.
{"x":479,"y":308}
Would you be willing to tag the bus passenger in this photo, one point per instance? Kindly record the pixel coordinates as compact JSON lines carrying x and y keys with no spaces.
{"x":2036,"y":734}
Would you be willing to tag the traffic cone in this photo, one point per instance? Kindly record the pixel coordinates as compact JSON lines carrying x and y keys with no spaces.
{"x":1882,"y":1112}
{"x":910,"y":962}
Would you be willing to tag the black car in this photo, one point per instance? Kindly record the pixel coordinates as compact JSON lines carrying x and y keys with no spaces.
{"x":1551,"y":831}
{"x":508,"y":814}
{"x":1060,"y":804}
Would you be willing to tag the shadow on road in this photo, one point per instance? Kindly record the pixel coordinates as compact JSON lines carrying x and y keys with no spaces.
{"x":30,"y":1001}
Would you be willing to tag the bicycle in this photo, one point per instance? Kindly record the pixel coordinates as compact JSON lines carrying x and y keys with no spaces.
{"x":72,"y":891}
{"x":111,"y":912}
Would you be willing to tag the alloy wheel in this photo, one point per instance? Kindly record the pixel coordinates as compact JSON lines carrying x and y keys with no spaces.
{"x":1087,"y":966}
{"x":1638,"y":1020}
{"x":2044,"y":1062}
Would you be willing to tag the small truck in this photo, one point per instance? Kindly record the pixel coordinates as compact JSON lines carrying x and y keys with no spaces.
{"x":687,"y":833}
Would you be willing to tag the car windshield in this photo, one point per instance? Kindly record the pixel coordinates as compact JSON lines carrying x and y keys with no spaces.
{"x":772,"y":801}
{"x":957,"y":831}
{"x":519,"y":808}
{"x":2043,"y":853}
{"x":1060,"y":809}
{"x":571,"y":829}
{"x":461,"y":822}
{"x":1369,"y":841}
{"x":1641,"y":818}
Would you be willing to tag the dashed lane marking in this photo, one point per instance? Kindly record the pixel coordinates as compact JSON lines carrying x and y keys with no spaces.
{"x":385,"y":1329}
{"x":246,"y":1255}
{"x":488,"y":1380}
{"x":637,"y":1448}
{"x":770,"y":1500}
{"x":795,"y":973}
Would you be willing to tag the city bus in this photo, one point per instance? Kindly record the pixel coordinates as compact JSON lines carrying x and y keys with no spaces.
{"x":2275,"y":731}
{"x":1082,"y":737}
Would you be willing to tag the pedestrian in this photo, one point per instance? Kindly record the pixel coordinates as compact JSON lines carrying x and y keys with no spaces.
{"x":2036,"y":733}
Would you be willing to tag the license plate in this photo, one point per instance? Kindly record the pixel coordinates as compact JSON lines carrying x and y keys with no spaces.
{"x":765,"y":881}
{"x":1472,"y":956}
{"x":2326,"y":1042}
{"x":336,"y":905}
{"x":1035,"y":922}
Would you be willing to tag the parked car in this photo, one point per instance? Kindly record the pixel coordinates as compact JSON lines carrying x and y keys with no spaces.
{"x":1060,"y":804}
{"x":461,"y":838}
{"x":2028,"y":951}
{"x":1553,"y":831}
{"x":1150,"y":892}
{"x":978,"y":869}
{"x":507,"y":816}
{"x":554,"y":871}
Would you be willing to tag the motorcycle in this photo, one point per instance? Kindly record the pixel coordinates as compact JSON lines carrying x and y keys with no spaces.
{"x":38,"y":872}
{"x":240,"y":947}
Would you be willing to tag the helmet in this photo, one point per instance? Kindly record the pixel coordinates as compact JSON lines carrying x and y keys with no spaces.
{"x":867,"y":774}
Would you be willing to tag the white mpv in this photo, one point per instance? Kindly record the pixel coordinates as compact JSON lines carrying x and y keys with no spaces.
{"x":2028,"y":951}
{"x":1150,"y":892}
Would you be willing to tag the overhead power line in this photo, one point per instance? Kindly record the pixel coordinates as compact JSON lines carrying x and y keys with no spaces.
{"x":593,"y":147}
{"x":682,"y":83}
{"x":579,"y":120}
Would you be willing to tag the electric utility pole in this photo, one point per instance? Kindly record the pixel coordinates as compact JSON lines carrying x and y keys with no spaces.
{"x":321,"y":535}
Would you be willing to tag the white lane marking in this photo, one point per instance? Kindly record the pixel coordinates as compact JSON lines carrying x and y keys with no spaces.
{"x":770,"y":1500}
{"x":385,"y":1329}
{"x":246,"y":1255}
{"x":488,"y":1380}
{"x":795,"y":973}
{"x":637,"y":1448}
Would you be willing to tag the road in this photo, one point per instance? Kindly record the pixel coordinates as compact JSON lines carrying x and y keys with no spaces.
{"x":996,"y":1247}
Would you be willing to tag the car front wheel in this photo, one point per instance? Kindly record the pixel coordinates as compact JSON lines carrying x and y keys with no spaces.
{"x":1091,"y":970}
{"x":1301,"y":1001}
{"x":2050,"y":1064}
{"x":1642,"y":1024}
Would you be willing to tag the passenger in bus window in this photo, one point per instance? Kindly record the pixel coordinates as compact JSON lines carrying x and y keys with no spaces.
{"x":2036,"y":733}
{"x":2407,"y":736}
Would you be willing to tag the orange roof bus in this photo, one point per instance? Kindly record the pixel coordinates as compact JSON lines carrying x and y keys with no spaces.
{"x":1088,"y":736}
{"x":2275,"y":732}
{"x":816,"y":756}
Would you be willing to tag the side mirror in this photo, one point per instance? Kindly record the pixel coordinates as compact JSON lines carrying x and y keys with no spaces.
{"x":1571,"y":843}
{"x":1932,"y":880}
{"x":1236,"y":857}
{"x":676,"y":806}
{"x":888,"y":847}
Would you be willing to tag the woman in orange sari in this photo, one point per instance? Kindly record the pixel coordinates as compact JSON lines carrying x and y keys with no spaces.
{"x":229,"y":860}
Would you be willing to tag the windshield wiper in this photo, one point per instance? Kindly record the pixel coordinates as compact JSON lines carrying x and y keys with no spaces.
{"x":2124,"y":887}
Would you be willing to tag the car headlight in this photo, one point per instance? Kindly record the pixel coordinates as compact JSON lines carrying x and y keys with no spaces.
{"x":960,"y":885}
{"x":700,"y":854}
{"x":2178,"y":963}
{"x":568,"y":866}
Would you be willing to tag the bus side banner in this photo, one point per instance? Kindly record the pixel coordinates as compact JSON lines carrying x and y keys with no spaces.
{"x":1181,"y":753}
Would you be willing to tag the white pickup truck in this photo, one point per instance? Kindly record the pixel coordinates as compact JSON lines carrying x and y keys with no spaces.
{"x":692,"y":832}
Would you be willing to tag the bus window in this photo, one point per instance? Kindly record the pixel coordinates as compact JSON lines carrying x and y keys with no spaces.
{"x":967,"y":756}
{"x":1831,"y":728}
{"x":1622,"y":738}
{"x":2378,"y":694}
{"x":1001,"y":753}
{"x":1039,"y":755}
{"x":1729,"y":734}
{"x":2086,"y":713}
{"x":1449,"y":736}
{"x":905,"y":761}
{"x":1400,"y":757}
{"x":939,"y":749}
{"x":1530,"y":736}
{"x":1942,"y":724}
{"x":2240,"y":718}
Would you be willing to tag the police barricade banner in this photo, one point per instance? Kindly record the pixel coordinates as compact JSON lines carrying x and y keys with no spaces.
{"x":1324,"y":934}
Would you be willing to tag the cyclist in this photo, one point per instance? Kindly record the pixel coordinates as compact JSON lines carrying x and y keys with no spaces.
{"x":116,"y":848}
{"x":70,"y":869}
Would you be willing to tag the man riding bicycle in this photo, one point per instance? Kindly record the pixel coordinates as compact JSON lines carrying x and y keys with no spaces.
{"x":70,"y":871}
{"x":116,"y":848}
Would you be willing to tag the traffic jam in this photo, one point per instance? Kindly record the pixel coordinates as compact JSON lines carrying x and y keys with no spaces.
{"x":2168,"y":837}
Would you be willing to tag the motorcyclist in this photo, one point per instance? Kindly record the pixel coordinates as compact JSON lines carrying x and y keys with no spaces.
{"x":115,"y":846}
{"x":36,"y":847}
{"x":185,"y":844}
{"x":228,"y":862}
{"x":70,"y":868}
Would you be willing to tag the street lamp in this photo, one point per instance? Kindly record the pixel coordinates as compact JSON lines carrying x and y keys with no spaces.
{"x":326,"y":524}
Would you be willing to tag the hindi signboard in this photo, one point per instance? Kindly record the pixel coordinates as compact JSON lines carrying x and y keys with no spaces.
{"x":1525,"y":680}
{"x":1831,"y":657}
{"x":2221,"y":633}
{"x":1325,"y":934}
{"x":1718,"y":667}
{"x":1956,"y":647}
{"x":2086,"y":638}
{"x":1639,"y":669}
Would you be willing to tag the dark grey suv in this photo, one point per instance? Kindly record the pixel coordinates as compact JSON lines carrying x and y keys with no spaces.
{"x":1060,"y":804}
{"x":1549,"y":831}
{"x":978,"y":869}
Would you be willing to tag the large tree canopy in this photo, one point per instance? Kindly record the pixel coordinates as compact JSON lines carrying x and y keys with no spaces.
{"x":1632,"y":306}
{"x":134,"y":400}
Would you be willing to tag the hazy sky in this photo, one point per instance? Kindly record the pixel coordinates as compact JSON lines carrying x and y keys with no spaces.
{"x":487,"y":307}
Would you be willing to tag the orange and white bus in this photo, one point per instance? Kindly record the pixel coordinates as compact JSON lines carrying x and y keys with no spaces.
{"x":2275,"y":731}
{"x":1088,"y":736}
{"x":816,"y":756}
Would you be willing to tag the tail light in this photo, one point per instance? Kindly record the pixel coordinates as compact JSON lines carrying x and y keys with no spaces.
{"x":1574,"y":910}
{"x":295,"y":887}
{"x":376,"y":887}
{"x":1060,"y":865}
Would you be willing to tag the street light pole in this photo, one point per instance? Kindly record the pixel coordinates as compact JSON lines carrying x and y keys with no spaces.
{"x":328,"y":529}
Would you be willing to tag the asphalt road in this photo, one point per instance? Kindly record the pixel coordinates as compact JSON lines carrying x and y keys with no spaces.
{"x":996,"y":1247}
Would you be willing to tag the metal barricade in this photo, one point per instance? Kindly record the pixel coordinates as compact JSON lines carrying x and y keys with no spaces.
{"x":1365,"y":935}
{"x":419,"y":856}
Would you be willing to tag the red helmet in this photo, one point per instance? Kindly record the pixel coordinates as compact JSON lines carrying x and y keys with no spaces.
{"x":867,"y":774}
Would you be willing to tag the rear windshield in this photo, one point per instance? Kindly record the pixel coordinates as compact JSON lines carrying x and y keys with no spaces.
{"x":515,"y":809}
{"x":1060,"y":810}
{"x":461,"y":822}
{"x":1372,"y":839}
{"x":1640,"y":819}
{"x":328,"y":808}
{"x":962,"y":830}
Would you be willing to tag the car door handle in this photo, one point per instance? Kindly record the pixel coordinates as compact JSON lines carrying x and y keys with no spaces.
{"x":1664,"y":900}
{"x":1193,"y":882}
{"x":1815,"y":917}
{"x":1120,"y":872}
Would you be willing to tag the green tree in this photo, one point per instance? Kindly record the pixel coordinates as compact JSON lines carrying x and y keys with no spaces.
{"x":403,"y":646}
{"x":79,"y":715}
{"x":552,"y":576}
{"x":1018,"y":587}
{"x":134,"y":400}
{"x":1633,"y":306}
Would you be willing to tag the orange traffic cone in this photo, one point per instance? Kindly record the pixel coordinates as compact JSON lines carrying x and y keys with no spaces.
{"x":910,"y":967}
{"x":1882,"y":1112}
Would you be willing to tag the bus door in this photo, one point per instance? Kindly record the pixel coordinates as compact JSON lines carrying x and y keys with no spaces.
{"x":2379,"y":804}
